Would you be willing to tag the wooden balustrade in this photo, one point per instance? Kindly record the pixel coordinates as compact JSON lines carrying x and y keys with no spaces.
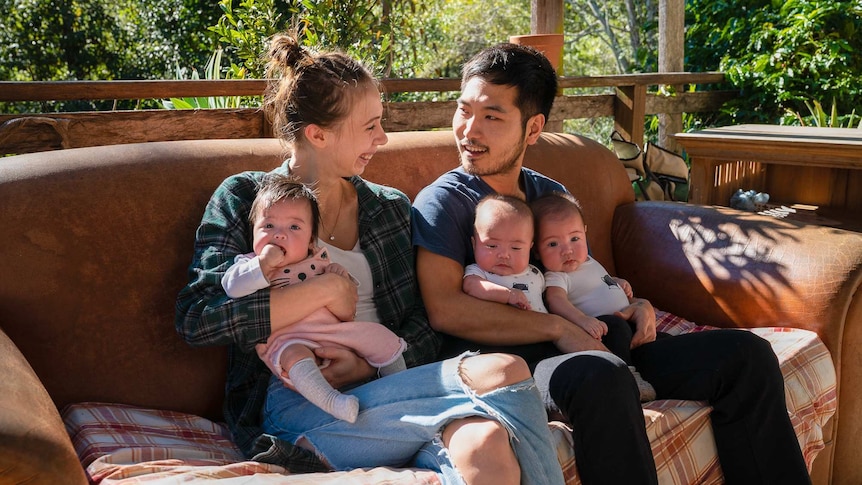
{"x":625,"y":98}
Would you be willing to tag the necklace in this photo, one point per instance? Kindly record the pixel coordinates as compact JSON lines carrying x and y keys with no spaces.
{"x":335,"y":224}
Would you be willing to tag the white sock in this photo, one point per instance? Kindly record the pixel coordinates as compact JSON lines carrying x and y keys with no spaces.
{"x":647,"y":392}
{"x":308,"y":380}
{"x":397,"y":366}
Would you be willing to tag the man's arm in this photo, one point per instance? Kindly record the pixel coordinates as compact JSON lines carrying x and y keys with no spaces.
{"x":454,"y":312}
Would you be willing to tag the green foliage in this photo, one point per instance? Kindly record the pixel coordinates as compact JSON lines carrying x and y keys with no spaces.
{"x":212,"y":71}
{"x":611,"y":36}
{"x":357,"y":27}
{"x":45,"y":40}
{"x":819,"y":117}
{"x":779,"y":53}
{"x":244,"y":30}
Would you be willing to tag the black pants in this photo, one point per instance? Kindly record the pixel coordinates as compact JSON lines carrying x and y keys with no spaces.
{"x":735,"y":371}
{"x":619,"y":337}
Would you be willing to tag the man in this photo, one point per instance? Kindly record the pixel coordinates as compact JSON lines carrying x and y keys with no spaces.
{"x":507,"y":94}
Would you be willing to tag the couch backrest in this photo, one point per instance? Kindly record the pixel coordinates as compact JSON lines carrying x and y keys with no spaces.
{"x":96,"y":242}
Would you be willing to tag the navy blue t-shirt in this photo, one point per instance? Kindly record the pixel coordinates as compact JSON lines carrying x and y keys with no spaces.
{"x":442,"y":219}
{"x":443,"y":212}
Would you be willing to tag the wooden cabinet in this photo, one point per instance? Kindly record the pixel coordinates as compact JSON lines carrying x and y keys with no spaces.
{"x":813,"y":166}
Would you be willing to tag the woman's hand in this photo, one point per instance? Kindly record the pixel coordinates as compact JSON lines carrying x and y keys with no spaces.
{"x":642,"y":313}
{"x":292,"y":303}
{"x":344,"y":296}
{"x":345,"y":367}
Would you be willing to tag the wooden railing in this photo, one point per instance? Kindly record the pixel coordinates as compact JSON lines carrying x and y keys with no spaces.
{"x":626,"y":99}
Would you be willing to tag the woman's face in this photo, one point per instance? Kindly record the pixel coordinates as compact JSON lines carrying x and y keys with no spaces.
{"x":360,"y":134}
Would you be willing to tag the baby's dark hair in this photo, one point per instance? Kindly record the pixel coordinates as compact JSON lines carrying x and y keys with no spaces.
{"x":309,"y":87}
{"x":277,"y":187}
{"x":555,"y":204}
{"x":515,"y":204}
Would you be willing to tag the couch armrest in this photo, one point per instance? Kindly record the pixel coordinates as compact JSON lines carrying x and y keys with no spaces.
{"x":34,"y":445}
{"x":728,"y":268}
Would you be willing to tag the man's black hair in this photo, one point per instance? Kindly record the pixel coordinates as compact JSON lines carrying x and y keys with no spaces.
{"x":521,"y":67}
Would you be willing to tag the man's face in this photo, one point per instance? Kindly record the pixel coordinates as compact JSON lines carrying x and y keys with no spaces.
{"x":488,"y":129}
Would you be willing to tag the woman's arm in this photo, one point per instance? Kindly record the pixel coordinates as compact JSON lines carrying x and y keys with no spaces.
{"x":387,"y":244}
{"x":205,"y":315}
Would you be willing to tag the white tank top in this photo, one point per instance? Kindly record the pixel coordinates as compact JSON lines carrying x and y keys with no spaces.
{"x":354,"y":261}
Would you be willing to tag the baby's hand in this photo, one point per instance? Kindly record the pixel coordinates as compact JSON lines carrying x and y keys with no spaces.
{"x":626,"y":287}
{"x":593,"y":326}
{"x":517,"y":298}
{"x":337,"y":269}
{"x":271,"y":257}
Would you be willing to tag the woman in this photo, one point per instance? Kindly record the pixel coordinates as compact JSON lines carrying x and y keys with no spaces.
{"x":473,"y":419}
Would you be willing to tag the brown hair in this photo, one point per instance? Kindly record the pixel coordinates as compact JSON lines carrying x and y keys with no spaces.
{"x":309,"y":87}
{"x":276,"y":187}
{"x":555,"y":204}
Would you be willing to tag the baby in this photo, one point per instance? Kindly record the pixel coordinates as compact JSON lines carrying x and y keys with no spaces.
{"x":284,"y":218}
{"x":577,"y":286}
{"x":502,"y":239}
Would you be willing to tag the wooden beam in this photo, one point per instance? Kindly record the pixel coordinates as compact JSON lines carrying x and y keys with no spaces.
{"x":139,"y":89}
{"x":644,"y":79}
{"x":24,"y":133}
{"x":92,"y":90}
{"x":50,"y":131}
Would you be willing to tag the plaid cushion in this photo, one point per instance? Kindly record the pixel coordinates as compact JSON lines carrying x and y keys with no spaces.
{"x":129,"y":445}
{"x":125,"y":444}
{"x":680,"y":432}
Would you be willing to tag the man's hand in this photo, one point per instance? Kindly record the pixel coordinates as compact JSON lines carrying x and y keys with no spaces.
{"x":345,"y":367}
{"x":642,"y":313}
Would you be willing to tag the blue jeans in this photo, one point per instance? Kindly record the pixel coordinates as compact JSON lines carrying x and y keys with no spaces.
{"x":401,"y":418}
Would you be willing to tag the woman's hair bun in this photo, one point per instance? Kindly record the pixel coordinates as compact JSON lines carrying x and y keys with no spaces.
{"x":285,"y":53}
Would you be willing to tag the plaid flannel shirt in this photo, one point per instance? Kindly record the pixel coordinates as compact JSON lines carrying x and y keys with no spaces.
{"x":206,"y":316}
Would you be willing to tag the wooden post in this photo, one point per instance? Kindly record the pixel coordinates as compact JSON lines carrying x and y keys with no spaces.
{"x":671,"y":53}
{"x":629,"y":112}
{"x":546,"y":17}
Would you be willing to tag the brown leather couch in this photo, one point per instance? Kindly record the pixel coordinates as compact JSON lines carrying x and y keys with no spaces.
{"x":95,"y":244}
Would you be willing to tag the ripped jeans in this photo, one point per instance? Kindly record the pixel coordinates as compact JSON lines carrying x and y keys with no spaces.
{"x":401,"y":418}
